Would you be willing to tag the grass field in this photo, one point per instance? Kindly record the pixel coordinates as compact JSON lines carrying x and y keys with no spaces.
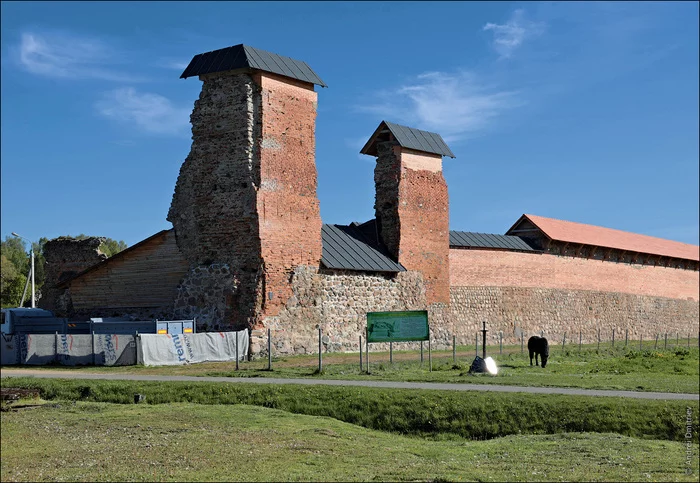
{"x":87,"y":441}
{"x":426,"y":413}
{"x":676,"y":369}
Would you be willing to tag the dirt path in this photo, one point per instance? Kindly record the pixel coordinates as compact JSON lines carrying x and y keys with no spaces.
{"x":326,"y":382}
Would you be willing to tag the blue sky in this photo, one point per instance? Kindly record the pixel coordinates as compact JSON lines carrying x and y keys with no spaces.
{"x":580,"y":111}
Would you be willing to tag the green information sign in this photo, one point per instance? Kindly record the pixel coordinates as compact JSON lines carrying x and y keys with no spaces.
{"x":397,"y":326}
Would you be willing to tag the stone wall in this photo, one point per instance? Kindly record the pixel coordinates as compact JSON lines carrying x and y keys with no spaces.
{"x":65,"y":257}
{"x":554,"y":312}
{"x":338,"y":301}
{"x":214,"y":208}
{"x":490,"y":268}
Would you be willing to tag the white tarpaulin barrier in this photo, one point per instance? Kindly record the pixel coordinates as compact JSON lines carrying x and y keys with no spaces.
{"x":175,"y":349}
{"x":68,"y":349}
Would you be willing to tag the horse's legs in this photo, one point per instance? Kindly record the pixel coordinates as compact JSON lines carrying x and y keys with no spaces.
{"x":530,"y":357}
{"x":537,"y":363}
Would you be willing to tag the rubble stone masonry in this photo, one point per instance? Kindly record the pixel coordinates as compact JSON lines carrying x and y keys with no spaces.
{"x":65,"y":257}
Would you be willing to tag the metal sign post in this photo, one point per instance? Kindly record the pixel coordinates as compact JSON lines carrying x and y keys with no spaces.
{"x":269,"y":349}
{"x":360,"y":353}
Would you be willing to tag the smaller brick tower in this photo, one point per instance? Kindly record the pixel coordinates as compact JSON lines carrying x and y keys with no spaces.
{"x":411,"y":205}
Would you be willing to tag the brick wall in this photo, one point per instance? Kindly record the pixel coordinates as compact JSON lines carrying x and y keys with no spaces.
{"x":515,"y":269}
{"x":412,"y":210}
{"x":288,"y":209}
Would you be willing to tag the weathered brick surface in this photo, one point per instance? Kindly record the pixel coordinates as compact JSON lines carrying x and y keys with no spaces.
{"x":556,"y":312}
{"x":514,"y":269}
{"x":65,"y":257}
{"x":246,"y":195}
{"x":412,"y":210}
{"x":288,"y":208}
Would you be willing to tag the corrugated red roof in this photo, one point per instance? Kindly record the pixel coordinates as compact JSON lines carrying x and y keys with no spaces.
{"x":568,"y":231}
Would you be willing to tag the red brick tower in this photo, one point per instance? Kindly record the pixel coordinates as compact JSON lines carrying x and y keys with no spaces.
{"x":245,"y":203}
{"x":412,"y":206}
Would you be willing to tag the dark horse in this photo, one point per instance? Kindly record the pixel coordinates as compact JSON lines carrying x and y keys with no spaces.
{"x":538,"y":346}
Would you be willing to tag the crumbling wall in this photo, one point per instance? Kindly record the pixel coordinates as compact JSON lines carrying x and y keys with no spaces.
{"x":214,"y":208}
{"x":65,"y":257}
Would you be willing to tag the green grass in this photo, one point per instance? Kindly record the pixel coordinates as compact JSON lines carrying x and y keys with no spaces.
{"x":190,"y":442}
{"x":676,"y":369}
{"x":433,"y":414}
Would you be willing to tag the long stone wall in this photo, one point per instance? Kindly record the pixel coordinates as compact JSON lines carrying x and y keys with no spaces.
{"x":554,"y":312}
{"x":338,"y":301}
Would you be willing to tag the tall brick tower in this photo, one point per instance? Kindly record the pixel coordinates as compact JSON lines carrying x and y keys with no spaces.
{"x":411,"y":205}
{"x":245,"y":209}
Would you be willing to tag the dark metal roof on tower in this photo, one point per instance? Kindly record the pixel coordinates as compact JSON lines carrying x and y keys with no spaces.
{"x":245,"y":57}
{"x":407,"y":137}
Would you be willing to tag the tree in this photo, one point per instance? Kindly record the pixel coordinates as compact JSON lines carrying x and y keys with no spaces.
{"x":12,"y":283}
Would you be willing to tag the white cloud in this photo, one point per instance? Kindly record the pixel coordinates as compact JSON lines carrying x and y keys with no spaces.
{"x":173,"y":64}
{"x":65,"y":55}
{"x":152,"y":113}
{"x":453,"y":105}
{"x":509,"y":36}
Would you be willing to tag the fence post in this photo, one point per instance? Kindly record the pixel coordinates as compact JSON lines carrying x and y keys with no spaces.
{"x":688,"y":340}
{"x":269,"y":349}
{"x":454,"y":349}
{"x":430,"y":355}
{"x":640,"y":341}
{"x":656,"y":342}
{"x":665,"y":339}
{"x":500,"y":336}
{"x":391,"y":352}
{"x":579,"y":340}
{"x":522,"y":342}
{"x":599,"y":338}
{"x":476,"y":353}
{"x":563,"y":342}
{"x":360,"y":353}
{"x":613,"y":340}
{"x":320,"y":351}
{"x":421,"y":353}
{"x":236,"y":332}
{"x":626,"y":334}
{"x":94,"y":356}
{"x":676,"y":339}
{"x":367,"y":349}
{"x":56,"y":351}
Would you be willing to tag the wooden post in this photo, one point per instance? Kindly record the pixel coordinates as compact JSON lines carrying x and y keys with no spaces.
{"x":599,"y":338}
{"x":500,"y":336}
{"x":367,"y":349}
{"x":269,"y":349}
{"x":320,"y":351}
{"x":579,"y":340}
{"x":430,"y":355}
{"x":236,"y":332}
{"x":665,"y":339}
{"x":391,"y":352}
{"x":626,"y":334}
{"x":563,"y":342}
{"x":656,"y":341}
{"x":94,"y":356}
{"x":640,"y":341}
{"x":360,"y":353}
{"x":454,"y":349}
{"x":676,"y":339}
{"x":522,"y":342}
{"x":613,"y":340}
{"x":476,"y":353}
